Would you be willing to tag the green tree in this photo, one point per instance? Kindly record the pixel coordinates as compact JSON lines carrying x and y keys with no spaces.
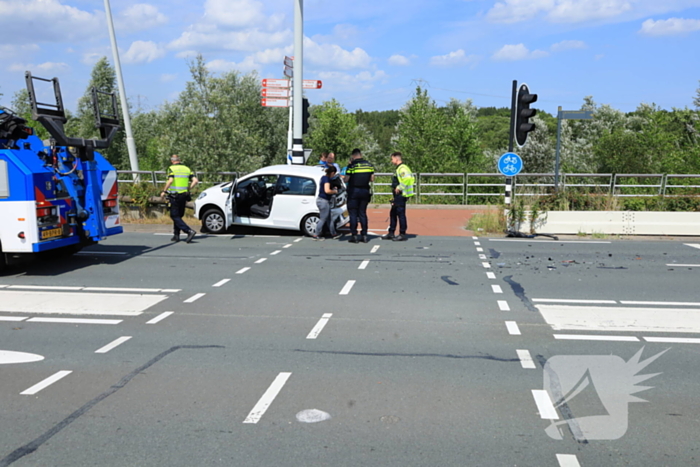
{"x":696,"y":100}
{"x":104,"y":79}
{"x":420,"y":133}
{"x":22,"y":107}
{"x":217,"y":124}
{"x":333,"y":129}
{"x":461,"y":147}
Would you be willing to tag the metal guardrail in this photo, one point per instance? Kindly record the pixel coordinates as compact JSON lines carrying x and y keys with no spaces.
{"x":490,"y":186}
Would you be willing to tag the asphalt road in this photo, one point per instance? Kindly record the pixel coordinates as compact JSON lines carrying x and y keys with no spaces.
{"x":280,"y":350}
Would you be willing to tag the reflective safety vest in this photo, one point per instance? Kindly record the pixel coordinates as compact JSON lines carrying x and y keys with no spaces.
{"x":181,"y":178}
{"x":406,"y":180}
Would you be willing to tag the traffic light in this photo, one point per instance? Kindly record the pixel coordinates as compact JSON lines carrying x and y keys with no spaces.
{"x":305,"y":116}
{"x":523,"y":114}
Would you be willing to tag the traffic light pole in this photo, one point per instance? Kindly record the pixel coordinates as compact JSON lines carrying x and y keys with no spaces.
{"x":297,"y":83}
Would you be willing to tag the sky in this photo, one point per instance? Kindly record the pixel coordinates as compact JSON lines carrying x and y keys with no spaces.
{"x":371,"y":54}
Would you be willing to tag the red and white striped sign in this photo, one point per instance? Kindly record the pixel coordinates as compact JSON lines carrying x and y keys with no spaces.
{"x":275,"y":102}
{"x":275,"y":92}
{"x":312,"y":84}
{"x":276,"y":83}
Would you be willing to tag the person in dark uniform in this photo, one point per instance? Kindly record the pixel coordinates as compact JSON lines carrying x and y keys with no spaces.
{"x":358,"y":177}
{"x":180,"y":180}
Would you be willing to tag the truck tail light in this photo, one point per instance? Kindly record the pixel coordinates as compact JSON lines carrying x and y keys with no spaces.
{"x":110,"y":203}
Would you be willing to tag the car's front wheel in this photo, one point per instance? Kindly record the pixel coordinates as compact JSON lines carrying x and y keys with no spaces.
{"x":213,"y":221}
{"x":308,"y":225}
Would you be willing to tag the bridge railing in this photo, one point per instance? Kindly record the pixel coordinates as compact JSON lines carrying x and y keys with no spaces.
{"x":485,"y":188}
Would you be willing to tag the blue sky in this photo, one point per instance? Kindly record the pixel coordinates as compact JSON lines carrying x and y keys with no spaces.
{"x":371,"y":54}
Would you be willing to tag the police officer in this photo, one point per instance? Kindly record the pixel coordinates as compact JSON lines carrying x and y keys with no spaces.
{"x":358,"y":177}
{"x":403,"y":186}
{"x":180,"y":180}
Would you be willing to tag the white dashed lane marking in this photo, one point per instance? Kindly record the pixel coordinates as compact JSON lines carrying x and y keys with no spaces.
{"x":12,"y":318}
{"x":45,"y":383}
{"x":673,"y":340}
{"x":486,"y":265}
{"x":503,"y":305}
{"x":347,"y":287}
{"x":526,"y":360}
{"x":319,"y":326}
{"x":479,"y":249}
{"x":363,"y":265}
{"x":261,"y":260}
{"x":298,"y":240}
{"x":287,"y":245}
{"x":266,"y":400}
{"x":513,"y":328}
{"x":375,"y":248}
{"x":113,"y":344}
{"x":583,"y":337}
{"x":567,"y":460}
{"x":693,"y":245}
{"x":496,"y":288}
{"x":74,"y":321}
{"x":491,"y":275}
{"x":544,"y":405}
{"x":160,"y":317}
{"x":482,"y":256}
{"x":194,"y":298}
{"x":276,"y":252}
{"x":243,"y":271}
{"x":685,"y":265}
{"x":221,"y":282}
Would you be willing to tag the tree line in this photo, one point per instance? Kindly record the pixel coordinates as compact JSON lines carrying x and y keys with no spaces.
{"x":217,"y":124}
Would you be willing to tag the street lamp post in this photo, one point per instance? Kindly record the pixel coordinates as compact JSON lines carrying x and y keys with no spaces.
{"x":130,"y":145}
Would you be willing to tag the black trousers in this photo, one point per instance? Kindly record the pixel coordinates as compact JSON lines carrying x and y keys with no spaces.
{"x":358,"y":199}
{"x":178,"y":203}
{"x":398,"y":212}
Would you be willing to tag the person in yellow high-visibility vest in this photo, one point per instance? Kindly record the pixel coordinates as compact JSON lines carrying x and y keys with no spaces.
{"x":403,"y":186}
{"x":180,"y":180}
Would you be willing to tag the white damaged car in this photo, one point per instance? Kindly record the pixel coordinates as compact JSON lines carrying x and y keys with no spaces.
{"x":277,"y":197}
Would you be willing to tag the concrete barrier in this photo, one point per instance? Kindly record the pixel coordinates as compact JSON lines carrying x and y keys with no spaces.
{"x":617,"y":223}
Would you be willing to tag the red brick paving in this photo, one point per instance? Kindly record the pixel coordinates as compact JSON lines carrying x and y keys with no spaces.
{"x":426,"y":221}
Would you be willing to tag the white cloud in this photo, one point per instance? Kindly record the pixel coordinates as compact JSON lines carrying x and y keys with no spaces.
{"x":143,"y":52}
{"x":168,"y":77}
{"x":46,"y":20}
{"x":668,"y":27}
{"x":139,"y":17}
{"x":456,"y":58}
{"x":363,"y":80}
{"x":399,"y":60}
{"x":335,"y":57}
{"x":234,"y":13}
{"x":567,"y":45}
{"x":579,"y":11}
{"x":517,"y":52}
{"x":11,"y":51}
{"x":209,"y":38}
{"x":46,"y":67}
{"x":237,"y":25}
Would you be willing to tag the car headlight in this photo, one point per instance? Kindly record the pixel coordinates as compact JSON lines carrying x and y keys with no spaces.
{"x":202,"y":195}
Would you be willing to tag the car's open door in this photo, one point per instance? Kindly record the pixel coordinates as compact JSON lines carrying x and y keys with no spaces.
{"x":230,"y":207}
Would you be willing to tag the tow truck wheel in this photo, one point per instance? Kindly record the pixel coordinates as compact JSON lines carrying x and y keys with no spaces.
{"x":308,"y":225}
{"x":213,"y":221}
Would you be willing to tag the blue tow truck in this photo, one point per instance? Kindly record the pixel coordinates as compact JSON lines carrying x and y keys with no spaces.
{"x":57,"y":195}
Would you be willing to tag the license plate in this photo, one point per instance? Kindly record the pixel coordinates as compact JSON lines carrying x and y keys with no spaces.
{"x":51,"y":233}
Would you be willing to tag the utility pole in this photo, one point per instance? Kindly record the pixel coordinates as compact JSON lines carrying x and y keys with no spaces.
{"x":131,"y":147}
{"x":297,"y":83}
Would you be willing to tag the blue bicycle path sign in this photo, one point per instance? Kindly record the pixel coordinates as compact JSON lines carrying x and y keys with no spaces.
{"x":510,"y":164}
